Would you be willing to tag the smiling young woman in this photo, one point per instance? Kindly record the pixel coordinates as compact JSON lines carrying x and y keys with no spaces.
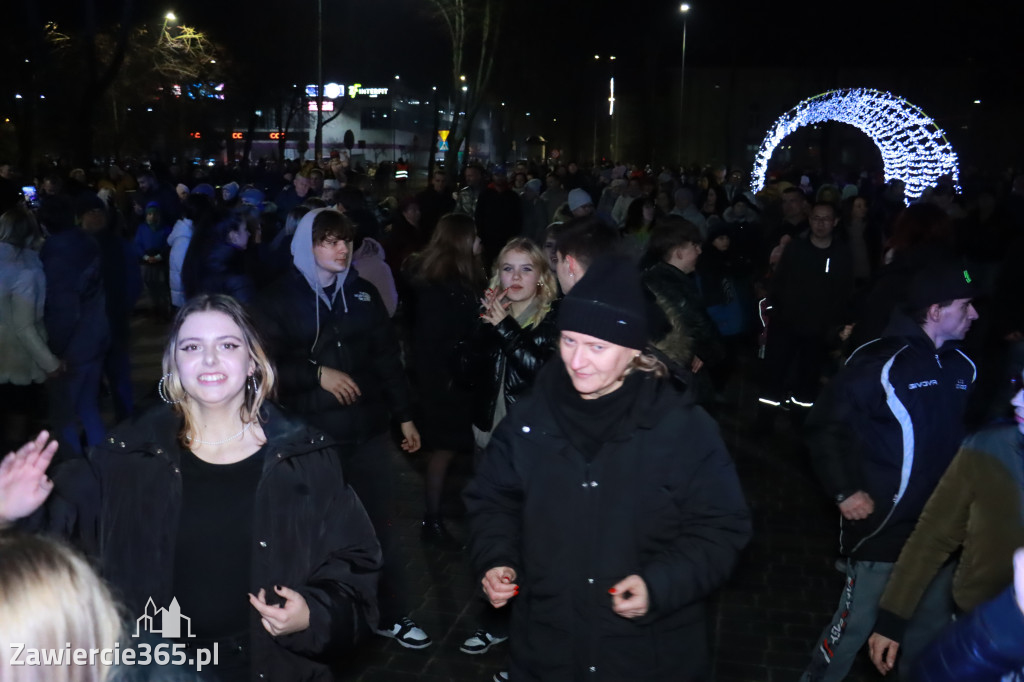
{"x":220,"y":495}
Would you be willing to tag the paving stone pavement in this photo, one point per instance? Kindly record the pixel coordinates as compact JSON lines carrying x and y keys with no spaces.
{"x":766,"y":618}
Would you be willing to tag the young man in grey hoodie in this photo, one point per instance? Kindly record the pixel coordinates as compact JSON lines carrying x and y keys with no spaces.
{"x":339,"y":366}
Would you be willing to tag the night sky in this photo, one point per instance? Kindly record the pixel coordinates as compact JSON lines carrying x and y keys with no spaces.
{"x":546,"y":41}
{"x":546,"y":55}
{"x":382,"y":35}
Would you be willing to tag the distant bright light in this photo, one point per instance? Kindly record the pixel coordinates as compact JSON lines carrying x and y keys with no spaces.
{"x":684,"y":8}
{"x":333,"y":90}
{"x":17,"y":96}
{"x":977,"y":101}
{"x":397,"y":77}
{"x":170,"y":16}
{"x":213,"y":61}
{"x":597,"y":56}
{"x":527,"y":113}
{"x":611,"y":97}
{"x":612,"y":57}
{"x":434,"y":88}
{"x":913,"y":148}
{"x":465,"y":88}
{"x":462,"y":78}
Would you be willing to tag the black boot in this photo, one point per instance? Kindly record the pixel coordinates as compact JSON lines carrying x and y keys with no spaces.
{"x":435,"y":533}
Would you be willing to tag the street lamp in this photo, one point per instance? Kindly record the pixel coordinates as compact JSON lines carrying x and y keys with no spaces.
{"x":684,"y":9}
{"x":170,"y":17}
{"x":613,"y":122}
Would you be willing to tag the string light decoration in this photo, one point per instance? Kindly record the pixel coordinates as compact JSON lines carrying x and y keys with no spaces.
{"x":913,"y":148}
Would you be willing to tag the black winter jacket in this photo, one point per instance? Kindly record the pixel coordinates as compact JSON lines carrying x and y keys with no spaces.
{"x":889,"y":424}
{"x":356,"y":337}
{"x":812,"y":288}
{"x":659,"y":499}
{"x":310,"y":532}
{"x":507,"y":350}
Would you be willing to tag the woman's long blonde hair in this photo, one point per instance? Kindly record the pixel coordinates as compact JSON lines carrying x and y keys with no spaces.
{"x":51,"y":599}
{"x":547,"y":290}
{"x":258,"y":388}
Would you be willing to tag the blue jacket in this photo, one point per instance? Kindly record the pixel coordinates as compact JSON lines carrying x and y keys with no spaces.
{"x":983,"y":646}
{"x":75,"y":311}
{"x":889,"y":424}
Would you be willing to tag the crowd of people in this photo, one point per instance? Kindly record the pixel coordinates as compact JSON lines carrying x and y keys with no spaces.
{"x":573,"y":332}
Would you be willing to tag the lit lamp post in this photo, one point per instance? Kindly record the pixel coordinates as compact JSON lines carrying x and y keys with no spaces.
{"x":613,"y":132}
{"x":394,"y":123}
{"x":684,"y":9}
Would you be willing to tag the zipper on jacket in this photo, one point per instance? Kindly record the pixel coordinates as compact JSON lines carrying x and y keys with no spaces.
{"x":937,"y":361}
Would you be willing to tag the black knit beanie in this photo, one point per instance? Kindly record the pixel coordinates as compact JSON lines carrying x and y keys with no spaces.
{"x":607,"y":303}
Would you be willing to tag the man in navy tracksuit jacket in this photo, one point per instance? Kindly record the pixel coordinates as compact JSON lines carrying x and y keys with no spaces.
{"x":880,"y":437}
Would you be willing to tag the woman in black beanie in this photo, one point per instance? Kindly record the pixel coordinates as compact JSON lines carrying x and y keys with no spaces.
{"x":606,"y":507}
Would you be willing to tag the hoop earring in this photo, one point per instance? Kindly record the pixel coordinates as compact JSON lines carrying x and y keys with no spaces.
{"x":162,"y":390}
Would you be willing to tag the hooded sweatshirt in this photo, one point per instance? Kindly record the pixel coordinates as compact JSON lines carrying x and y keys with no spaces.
{"x":344,"y":326}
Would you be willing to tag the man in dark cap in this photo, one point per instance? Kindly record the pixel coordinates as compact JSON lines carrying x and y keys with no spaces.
{"x":880,"y":437}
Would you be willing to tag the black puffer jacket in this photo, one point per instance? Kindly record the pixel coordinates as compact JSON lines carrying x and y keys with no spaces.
{"x":507,"y":350}
{"x":310,"y":532}
{"x":659,"y":499}
{"x":356,"y":336}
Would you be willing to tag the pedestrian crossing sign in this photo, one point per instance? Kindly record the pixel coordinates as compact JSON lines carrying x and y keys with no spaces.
{"x":443,"y":146}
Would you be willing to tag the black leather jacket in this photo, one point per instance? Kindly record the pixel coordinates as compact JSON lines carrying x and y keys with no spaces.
{"x":507,"y":350}
{"x":310,"y":532}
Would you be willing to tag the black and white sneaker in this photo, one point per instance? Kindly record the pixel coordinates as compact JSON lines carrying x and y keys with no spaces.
{"x":406,"y":633}
{"x":480,"y":643}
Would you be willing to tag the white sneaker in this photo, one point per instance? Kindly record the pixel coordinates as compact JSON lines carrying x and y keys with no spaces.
{"x":406,"y":633}
{"x":501,"y":677}
{"x":480,"y":643}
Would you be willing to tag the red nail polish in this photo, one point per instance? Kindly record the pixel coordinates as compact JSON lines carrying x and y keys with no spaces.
{"x":611,"y":590}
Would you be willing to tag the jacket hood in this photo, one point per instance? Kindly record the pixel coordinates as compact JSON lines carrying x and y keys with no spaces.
{"x":156,"y":430}
{"x":12,"y":254}
{"x":370,"y":248}
{"x":182,"y":230}
{"x":302,"y":257}
{"x":901,"y":325}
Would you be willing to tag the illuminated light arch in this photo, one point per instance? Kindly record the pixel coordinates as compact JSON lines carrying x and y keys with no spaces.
{"x":913,"y":148}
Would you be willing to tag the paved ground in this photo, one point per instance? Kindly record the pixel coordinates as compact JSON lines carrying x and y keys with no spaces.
{"x":768,"y":615}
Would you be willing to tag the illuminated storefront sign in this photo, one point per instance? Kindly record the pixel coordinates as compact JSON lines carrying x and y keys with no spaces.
{"x":336,"y":90}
